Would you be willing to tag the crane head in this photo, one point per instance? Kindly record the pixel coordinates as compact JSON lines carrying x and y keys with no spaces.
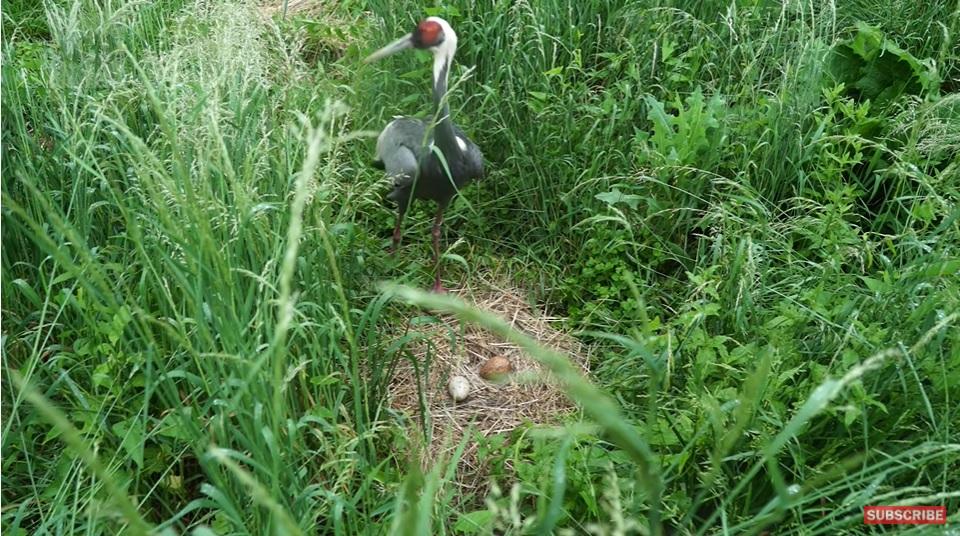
{"x":433,"y":34}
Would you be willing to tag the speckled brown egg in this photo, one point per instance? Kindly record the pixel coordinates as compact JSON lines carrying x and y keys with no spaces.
{"x":495,"y":368}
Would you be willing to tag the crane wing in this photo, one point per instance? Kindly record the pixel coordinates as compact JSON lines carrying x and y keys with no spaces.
{"x":398,"y":149}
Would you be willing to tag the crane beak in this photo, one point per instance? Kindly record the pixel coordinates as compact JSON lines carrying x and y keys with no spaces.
{"x":403,"y":43}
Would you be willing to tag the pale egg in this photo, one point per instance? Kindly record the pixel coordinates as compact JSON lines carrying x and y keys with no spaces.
{"x":459,"y":388}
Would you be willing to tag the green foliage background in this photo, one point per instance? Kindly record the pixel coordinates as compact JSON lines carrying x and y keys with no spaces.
{"x":749,"y":209}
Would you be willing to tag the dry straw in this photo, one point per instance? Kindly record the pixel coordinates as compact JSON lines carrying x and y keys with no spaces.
{"x":447,"y":348}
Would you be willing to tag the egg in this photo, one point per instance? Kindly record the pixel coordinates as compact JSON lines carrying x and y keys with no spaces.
{"x":495,"y":368}
{"x":459,"y":388}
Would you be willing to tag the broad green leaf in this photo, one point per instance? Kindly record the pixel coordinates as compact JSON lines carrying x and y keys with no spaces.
{"x":615,"y":196}
{"x":131,"y":433}
{"x":475,"y":522}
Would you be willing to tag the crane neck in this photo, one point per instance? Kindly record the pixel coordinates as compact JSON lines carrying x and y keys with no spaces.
{"x":444,"y":135}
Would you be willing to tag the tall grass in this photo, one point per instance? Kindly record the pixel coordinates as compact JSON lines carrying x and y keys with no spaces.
{"x":764,"y":260}
{"x":177,"y":284}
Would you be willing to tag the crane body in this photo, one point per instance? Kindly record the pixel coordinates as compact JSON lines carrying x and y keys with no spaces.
{"x":410,"y":149}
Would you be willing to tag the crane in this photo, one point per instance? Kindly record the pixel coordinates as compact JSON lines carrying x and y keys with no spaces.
{"x":430,"y":160}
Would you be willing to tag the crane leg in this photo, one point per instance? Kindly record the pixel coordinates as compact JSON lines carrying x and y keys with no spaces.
{"x":437,"y":222}
{"x":397,"y":234}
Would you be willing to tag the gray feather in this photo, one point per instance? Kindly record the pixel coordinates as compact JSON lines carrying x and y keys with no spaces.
{"x":405,"y":149}
{"x":398,"y":147}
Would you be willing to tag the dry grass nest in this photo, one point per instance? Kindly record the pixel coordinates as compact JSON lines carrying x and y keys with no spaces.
{"x":449,"y":348}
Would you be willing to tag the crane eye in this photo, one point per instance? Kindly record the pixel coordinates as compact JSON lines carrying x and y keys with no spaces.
{"x":428,"y":34}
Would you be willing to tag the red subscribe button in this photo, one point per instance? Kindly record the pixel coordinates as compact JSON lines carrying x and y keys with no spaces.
{"x":905,"y":515}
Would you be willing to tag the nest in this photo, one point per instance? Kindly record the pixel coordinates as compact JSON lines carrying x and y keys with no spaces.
{"x":529,"y":395}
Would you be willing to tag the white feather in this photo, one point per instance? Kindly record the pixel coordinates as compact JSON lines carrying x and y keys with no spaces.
{"x":443,"y":53}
